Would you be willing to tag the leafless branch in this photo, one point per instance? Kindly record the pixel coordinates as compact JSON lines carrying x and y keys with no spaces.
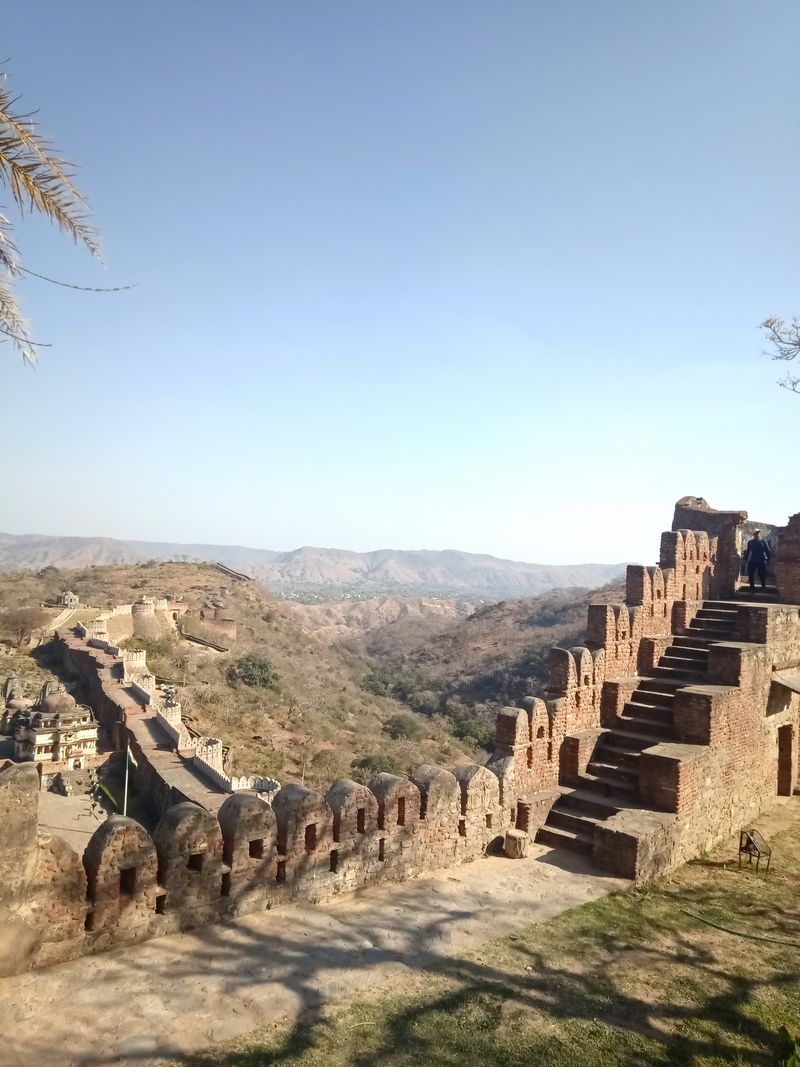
{"x":784,"y":341}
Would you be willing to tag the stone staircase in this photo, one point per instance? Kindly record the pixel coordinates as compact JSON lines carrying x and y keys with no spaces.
{"x":768,"y":595}
{"x":611,"y":780}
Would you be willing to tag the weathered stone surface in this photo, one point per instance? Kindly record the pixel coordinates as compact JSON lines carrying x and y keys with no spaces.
{"x":19,"y":808}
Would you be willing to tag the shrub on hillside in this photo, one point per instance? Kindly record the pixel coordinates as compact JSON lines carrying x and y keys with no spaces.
{"x":365,"y":768}
{"x":380,"y":682}
{"x":424,"y":701}
{"x":402,"y":725}
{"x":467,"y":724}
{"x":152,"y":646}
{"x":254,"y":670}
{"x":409,"y":686}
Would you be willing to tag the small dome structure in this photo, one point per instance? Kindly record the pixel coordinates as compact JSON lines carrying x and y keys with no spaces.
{"x":57,"y":704}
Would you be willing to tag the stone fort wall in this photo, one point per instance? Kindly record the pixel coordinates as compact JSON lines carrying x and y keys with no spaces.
{"x":214,"y":855}
{"x":198,"y":867}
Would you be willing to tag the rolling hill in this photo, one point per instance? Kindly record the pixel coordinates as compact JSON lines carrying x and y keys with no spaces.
{"x":322,"y":573}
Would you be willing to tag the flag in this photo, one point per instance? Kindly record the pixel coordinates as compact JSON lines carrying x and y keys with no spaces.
{"x":130,"y":757}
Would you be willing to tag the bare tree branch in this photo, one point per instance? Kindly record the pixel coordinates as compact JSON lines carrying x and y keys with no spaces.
{"x":784,"y":341}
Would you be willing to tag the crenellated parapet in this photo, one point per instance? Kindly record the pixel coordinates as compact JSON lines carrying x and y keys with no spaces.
{"x":197,"y":867}
{"x":121,"y":868}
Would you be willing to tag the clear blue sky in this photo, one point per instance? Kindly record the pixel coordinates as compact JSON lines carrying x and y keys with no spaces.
{"x":473,"y":275}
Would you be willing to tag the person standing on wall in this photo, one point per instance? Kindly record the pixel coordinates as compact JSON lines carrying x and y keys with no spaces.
{"x":755,"y":557}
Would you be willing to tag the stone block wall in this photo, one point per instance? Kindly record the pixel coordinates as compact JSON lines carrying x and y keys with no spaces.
{"x":738,"y":742}
{"x":197,"y":868}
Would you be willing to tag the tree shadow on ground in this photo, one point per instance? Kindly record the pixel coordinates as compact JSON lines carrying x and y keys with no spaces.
{"x":626,"y":981}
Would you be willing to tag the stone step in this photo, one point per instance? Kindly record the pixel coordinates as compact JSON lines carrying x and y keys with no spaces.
{"x":657,"y":730}
{"x":613,"y":771}
{"x":715,"y":623}
{"x":626,"y":733}
{"x":581,"y":802}
{"x":607,"y":787}
{"x":652,"y":712}
{"x":715,"y":633}
{"x":555,"y":838}
{"x":722,"y":614}
{"x":679,"y":674}
{"x":652,"y":697}
{"x":659,"y":683}
{"x":692,"y":657}
{"x":571,"y":820}
{"x":692,"y":639}
{"x":617,"y":751}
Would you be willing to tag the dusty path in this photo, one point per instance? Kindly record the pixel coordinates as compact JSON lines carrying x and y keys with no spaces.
{"x":137,"y":1006}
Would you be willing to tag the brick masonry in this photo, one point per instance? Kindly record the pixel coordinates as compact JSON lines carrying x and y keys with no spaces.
{"x":732,"y":743}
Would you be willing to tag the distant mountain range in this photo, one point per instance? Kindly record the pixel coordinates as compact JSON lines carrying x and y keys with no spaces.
{"x":322,"y":573}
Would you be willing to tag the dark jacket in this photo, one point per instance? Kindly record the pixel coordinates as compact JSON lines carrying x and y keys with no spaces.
{"x":757,"y":552}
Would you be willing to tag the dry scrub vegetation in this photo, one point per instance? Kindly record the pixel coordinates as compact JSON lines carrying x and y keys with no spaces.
{"x":423,"y":687}
{"x":312,"y":720}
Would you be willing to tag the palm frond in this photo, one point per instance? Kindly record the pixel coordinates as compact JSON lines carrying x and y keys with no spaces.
{"x":13,"y":326}
{"x":37,"y":178}
{"x":9,"y":256}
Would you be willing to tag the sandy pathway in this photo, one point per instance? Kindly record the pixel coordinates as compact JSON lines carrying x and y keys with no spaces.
{"x":181,"y":993}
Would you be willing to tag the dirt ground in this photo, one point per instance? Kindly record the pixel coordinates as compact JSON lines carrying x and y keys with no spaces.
{"x":182,"y":993}
{"x":700,"y":968}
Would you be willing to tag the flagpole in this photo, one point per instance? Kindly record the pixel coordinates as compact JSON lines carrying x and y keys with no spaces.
{"x":127,"y":765}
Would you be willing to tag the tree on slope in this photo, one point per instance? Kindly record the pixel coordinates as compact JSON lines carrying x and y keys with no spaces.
{"x":784,"y":341}
{"x":39,"y":181}
{"x":21,"y":623}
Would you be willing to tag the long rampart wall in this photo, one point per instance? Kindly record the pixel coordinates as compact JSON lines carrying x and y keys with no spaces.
{"x":122,"y":692}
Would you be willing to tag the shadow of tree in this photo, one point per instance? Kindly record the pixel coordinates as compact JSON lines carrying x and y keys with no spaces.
{"x":574,"y":998}
{"x":629,"y":979}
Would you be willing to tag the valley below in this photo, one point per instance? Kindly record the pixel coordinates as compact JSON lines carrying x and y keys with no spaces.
{"x":312,"y":692}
